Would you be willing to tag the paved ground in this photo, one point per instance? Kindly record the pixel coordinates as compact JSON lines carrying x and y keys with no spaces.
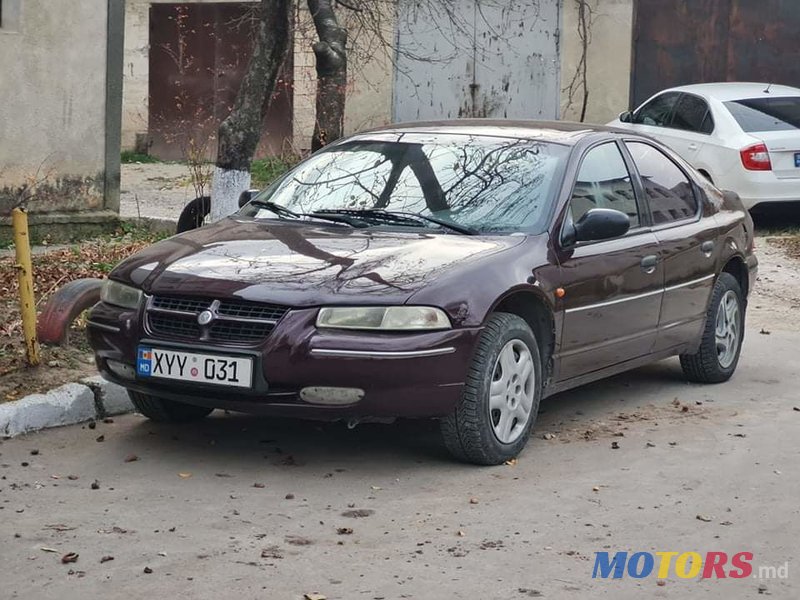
{"x":157,"y":190}
{"x":252,"y":507}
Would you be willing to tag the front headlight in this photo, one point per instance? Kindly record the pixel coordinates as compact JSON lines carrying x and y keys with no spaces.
{"x":387,"y":318}
{"x":120,"y":294}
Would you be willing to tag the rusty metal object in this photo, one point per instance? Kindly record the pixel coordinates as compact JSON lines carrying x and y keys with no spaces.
{"x":64,"y":306}
{"x":678,"y":42}
{"x":198,"y":55}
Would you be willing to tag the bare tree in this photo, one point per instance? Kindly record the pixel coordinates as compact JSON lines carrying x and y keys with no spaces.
{"x":331,"y":54}
{"x":240,"y":133}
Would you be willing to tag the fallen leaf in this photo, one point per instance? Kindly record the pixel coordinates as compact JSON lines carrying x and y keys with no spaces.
{"x":650,"y":445}
{"x":473,"y":501}
{"x":106,"y":559}
{"x":69,"y":557}
{"x":95,"y":485}
{"x":222,"y":475}
{"x":314,"y":596}
{"x":45,"y":549}
{"x":596,"y":488}
{"x":298,"y":540}
{"x":703,"y":518}
{"x":100,"y":438}
{"x":289,"y":496}
{"x":259,"y":485}
{"x":726,"y":523}
{"x":148,"y":570}
{"x":615,"y":445}
{"x":344,"y":530}
{"x":764,"y":332}
{"x":661,"y":583}
{"x":184,"y":475}
{"x":549,"y":436}
{"x":72,"y":477}
{"x":460,"y":533}
{"x":511,"y":462}
{"x":131,"y":458}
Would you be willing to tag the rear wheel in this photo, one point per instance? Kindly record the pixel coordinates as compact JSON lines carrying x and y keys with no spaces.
{"x":721,"y":345}
{"x":167,"y":411}
{"x":501,"y":397}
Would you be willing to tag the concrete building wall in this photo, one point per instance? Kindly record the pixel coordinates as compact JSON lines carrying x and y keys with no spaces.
{"x":609,"y":59}
{"x":52,"y":103}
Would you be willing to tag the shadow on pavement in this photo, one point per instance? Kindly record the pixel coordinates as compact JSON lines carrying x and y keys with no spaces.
{"x":231,"y":438}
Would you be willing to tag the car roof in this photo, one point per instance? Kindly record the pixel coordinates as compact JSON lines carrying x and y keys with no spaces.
{"x":727,"y":91}
{"x":563,"y":132}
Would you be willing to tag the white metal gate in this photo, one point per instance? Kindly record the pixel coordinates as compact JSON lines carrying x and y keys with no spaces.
{"x":477,"y":58}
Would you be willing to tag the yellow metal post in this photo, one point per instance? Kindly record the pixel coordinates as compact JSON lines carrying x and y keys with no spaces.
{"x":27,"y":303}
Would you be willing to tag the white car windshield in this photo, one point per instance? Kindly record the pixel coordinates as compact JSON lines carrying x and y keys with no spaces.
{"x":486,"y":184}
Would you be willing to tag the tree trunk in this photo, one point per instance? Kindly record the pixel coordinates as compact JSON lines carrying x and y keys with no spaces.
{"x":331,"y":55}
{"x":239,"y":134}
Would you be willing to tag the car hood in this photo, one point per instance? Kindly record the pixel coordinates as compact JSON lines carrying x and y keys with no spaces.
{"x":303,"y":264}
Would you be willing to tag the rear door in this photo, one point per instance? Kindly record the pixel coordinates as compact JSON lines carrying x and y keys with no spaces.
{"x":687,"y":243}
{"x":691,"y":125}
{"x":612,"y":288}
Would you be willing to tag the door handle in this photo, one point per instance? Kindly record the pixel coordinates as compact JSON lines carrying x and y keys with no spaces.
{"x":649,"y":263}
{"x":707,"y":248}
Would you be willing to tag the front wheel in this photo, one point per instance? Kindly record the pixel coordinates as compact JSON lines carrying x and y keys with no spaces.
{"x":501,"y":397}
{"x":723,"y":334}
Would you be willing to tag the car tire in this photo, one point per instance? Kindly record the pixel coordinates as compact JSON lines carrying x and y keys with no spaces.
{"x":167,"y":411}
{"x":723,"y":335}
{"x":194,"y":214}
{"x":476,"y":430}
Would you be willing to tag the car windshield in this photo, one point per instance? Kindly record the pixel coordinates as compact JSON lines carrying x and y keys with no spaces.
{"x":476,"y":183}
{"x":766,"y":114}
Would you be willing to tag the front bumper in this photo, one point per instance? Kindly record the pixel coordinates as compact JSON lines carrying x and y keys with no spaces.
{"x":402,"y":375}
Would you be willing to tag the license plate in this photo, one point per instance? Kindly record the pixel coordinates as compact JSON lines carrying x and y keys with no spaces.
{"x":198,"y":368}
{"x":797,"y":159}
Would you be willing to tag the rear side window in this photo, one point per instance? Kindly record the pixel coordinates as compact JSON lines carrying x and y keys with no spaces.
{"x":766,"y":114}
{"x":692,"y":114}
{"x":604,"y":182}
{"x":657,"y":112}
{"x":669,"y":191}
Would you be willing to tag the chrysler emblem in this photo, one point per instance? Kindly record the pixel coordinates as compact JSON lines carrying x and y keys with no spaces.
{"x":205,"y":317}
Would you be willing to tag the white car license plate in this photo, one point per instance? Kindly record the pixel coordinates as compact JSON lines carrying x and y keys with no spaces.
{"x":199,"y":368}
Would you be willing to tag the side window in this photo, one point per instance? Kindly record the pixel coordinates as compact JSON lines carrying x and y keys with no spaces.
{"x":692,"y":114}
{"x":604,"y":182}
{"x":658,"y":111}
{"x":668,"y":190}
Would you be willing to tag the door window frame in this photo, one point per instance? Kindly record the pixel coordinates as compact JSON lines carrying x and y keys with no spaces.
{"x":707,"y":115}
{"x":693,"y":185}
{"x":668,"y":124}
{"x":645,"y":217}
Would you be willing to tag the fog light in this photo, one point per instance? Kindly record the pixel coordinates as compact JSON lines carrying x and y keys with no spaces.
{"x":331,"y":395}
{"x":121,"y":369}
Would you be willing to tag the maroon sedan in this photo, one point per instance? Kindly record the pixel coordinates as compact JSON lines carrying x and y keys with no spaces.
{"x":455,"y":270}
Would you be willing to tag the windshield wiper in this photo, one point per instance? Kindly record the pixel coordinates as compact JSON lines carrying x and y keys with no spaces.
{"x":406,"y":218}
{"x":337,"y":217}
{"x":279,"y":210}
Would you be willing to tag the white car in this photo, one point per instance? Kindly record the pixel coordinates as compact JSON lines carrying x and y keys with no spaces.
{"x":744,"y":137}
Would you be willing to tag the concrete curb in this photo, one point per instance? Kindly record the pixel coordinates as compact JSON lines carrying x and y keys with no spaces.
{"x":93,"y":398}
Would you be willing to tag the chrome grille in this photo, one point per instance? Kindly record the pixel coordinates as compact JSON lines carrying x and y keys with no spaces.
{"x":235,"y":321}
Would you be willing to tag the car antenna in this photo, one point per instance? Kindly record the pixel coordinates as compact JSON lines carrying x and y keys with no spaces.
{"x":766,"y":91}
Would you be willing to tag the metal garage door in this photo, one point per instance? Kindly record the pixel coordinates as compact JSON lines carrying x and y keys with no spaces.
{"x":677,"y":42}
{"x":489,"y":58}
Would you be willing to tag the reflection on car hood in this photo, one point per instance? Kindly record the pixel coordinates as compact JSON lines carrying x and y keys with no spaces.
{"x":303,"y":264}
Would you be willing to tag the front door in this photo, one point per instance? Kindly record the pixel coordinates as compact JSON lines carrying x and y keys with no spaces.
{"x":612,"y":288}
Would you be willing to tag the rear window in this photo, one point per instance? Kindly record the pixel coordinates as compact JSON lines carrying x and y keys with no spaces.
{"x":766,"y":114}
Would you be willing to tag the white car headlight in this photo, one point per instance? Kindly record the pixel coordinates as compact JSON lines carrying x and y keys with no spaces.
{"x":120,"y":294}
{"x":387,"y":318}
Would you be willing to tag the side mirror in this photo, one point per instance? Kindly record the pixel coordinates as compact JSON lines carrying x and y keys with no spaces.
{"x":246,"y":196}
{"x":626,"y":117}
{"x":601,"y":224}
